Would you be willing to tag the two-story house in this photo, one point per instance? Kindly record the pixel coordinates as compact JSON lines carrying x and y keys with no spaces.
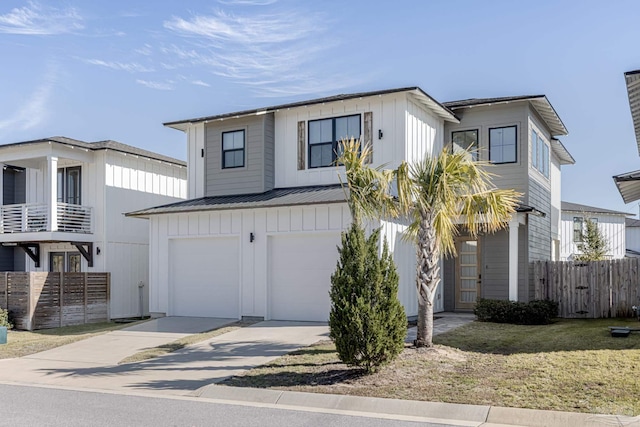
{"x":259,"y":232}
{"x":611,"y":225}
{"x":62,"y":204}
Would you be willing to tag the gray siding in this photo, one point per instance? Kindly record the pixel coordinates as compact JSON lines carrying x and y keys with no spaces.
{"x":269,"y":152}
{"x":252,"y":178}
{"x":508,"y":175}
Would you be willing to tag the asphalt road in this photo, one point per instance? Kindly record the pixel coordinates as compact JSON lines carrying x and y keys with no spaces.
{"x":35,"y":406}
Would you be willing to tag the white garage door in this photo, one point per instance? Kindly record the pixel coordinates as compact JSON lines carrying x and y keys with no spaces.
{"x":300,"y":275}
{"x":204,"y":277}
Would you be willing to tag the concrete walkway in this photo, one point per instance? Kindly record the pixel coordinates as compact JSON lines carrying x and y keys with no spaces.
{"x":443,"y":322}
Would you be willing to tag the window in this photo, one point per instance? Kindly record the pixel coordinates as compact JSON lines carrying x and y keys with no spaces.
{"x":69,"y":262}
{"x":324,"y":136}
{"x":577,"y":229}
{"x":539,"y":154}
{"x":69,"y":185}
{"x":465,"y":140}
{"x":233,"y":149}
{"x":502,"y":145}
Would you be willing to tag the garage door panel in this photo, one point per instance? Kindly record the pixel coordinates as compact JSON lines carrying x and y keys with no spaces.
{"x":204,"y":277}
{"x":300,"y":275}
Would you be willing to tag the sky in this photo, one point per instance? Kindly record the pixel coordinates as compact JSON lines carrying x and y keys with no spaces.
{"x":118,"y":69}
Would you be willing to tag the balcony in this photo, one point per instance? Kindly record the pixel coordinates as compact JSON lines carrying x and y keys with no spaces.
{"x":34,"y":217}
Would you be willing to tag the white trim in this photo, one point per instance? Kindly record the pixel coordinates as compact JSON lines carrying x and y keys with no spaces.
{"x":514,"y":224}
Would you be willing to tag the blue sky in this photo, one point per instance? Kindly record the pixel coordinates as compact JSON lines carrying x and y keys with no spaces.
{"x":119,"y":69}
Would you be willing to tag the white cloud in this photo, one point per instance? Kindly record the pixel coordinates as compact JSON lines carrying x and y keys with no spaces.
{"x":275,"y":54}
{"x":200,"y":83}
{"x":36,"y":109}
{"x":131,"y":67}
{"x":155,"y":85}
{"x":36,"y":19}
{"x":247,"y":2}
{"x":145,"y":50}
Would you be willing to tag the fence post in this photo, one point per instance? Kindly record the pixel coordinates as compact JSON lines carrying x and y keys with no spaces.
{"x":61,"y":291}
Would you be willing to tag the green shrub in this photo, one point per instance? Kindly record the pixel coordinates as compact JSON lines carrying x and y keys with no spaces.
{"x":537,"y":312}
{"x":367,"y":321}
{"x":5,"y":319}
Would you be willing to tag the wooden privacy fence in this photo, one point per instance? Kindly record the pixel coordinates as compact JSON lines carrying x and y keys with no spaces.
{"x":49,"y":300}
{"x":595,"y":289}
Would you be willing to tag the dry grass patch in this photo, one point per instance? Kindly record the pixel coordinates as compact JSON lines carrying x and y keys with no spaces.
{"x":572,"y":365}
{"x":23,"y":343}
{"x":184,"y":342}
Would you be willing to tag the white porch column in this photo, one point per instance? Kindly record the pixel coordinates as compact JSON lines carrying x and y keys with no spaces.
{"x":51,"y":193}
{"x":1,"y":184}
{"x":513,"y":258}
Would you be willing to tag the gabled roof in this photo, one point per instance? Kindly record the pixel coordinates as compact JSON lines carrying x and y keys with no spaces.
{"x":318,"y":194}
{"x":628,"y":185}
{"x":420,"y":95}
{"x":632,"y":79}
{"x":99,"y":145}
{"x":539,"y":102}
{"x":576,"y":207}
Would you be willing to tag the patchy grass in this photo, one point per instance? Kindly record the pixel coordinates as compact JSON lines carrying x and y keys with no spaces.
{"x":183,"y":342}
{"x":571,"y":365}
{"x":23,"y":343}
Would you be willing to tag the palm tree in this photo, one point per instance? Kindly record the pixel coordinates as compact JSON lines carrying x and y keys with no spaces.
{"x":366,"y":188}
{"x":440,"y":195}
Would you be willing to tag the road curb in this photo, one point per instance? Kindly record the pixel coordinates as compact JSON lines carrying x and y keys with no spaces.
{"x":451,"y":413}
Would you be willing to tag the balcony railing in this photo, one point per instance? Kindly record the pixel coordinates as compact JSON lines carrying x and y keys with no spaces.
{"x":34,"y":217}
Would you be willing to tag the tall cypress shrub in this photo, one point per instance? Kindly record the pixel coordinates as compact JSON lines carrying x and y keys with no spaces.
{"x":367,"y":321}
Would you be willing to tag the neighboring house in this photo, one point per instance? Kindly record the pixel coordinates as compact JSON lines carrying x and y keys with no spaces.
{"x":610,"y":223}
{"x":62,"y":205}
{"x":632,"y":237}
{"x":629,"y":183}
{"x":259,"y":232}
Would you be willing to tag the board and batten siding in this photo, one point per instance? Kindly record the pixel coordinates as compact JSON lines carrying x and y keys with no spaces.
{"x":632,"y":238}
{"x":391,"y":114}
{"x":253,"y":176}
{"x":195,"y":160}
{"x":424,"y":133}
{"x":132,"y":183}
{"x":254,"y":257}
{"x":612,"y":228}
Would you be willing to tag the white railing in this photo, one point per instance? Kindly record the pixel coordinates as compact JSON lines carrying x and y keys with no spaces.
{"x":76,"y":218}
{"x":34,"y":217}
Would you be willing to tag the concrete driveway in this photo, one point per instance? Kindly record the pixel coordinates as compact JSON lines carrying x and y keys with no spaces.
{"x":92,"y":363}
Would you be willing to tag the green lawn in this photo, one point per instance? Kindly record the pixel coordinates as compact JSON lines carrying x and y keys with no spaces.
{"x":571,"y":365}
{"x":23,"y":343}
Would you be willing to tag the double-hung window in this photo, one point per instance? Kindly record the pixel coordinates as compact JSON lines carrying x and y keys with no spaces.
{"x":539,"y":154}
{"x":324,"y":136}
{"x":60,"y":262}
{"x":69,"y":185}
{"x":578,"y":224}
{"x":465,"y":140}
{"x":503,"y":144}
{"x":233,"y":144}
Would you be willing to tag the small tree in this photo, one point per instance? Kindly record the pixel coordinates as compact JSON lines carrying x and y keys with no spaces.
{"x":367,"y":321}
{"x":594,"y":245}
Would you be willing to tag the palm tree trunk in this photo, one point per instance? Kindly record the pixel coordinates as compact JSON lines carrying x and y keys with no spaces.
{"x":428,"y":279}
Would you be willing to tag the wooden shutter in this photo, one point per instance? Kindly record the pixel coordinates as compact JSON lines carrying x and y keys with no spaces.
{"x":302,"y":146}
{"x":368,"y":134}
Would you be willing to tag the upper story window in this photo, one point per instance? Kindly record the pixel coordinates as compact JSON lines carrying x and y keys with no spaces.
{"x":324,"y":136}
{"x":233,"y":144}
{"x":465,"y":140}
{"x":503,"y":144}
{"x":69,"y":185}
{"x":539,"y":153}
